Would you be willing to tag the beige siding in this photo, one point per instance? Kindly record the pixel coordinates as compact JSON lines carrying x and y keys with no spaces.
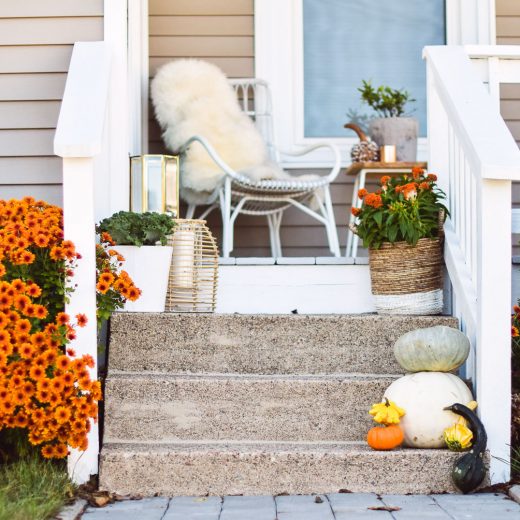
{"x":36,"y":38}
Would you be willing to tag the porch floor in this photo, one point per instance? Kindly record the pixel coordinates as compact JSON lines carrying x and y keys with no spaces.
{"x":336,"y":506}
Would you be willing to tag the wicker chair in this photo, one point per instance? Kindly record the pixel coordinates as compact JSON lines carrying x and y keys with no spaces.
{"x":270,"y":198}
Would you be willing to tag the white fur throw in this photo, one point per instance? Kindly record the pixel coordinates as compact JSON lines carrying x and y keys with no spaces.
{"x":193,"y":97}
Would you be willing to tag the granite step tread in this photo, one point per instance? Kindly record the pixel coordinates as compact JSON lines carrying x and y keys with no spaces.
{"x":260,"y":344}
{"x":270,"y":468}
{"x":171,"y":407}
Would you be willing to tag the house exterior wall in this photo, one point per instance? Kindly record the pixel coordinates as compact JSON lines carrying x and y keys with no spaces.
{"x":36,"y":40}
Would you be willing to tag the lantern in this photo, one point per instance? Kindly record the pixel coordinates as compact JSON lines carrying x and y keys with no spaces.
{"x":154,"y":184}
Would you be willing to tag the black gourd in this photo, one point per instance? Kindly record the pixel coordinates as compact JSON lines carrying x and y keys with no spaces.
{"x":469,"y":470}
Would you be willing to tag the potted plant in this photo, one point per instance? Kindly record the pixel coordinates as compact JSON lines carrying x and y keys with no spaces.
{"x":392,"y":127}
{"x":401,"y":225}
{"x":141,"y":239}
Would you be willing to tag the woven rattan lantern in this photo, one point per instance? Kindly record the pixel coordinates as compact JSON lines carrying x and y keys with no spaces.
{"x":154,"y":184}
{"x":192,"y":285}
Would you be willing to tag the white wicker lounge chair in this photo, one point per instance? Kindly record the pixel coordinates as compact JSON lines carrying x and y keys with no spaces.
{"x":271,"y":198}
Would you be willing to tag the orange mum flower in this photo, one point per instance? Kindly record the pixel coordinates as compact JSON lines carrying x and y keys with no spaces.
{"x":81,"y":319}
{"x":385,"y":179}
{"x":355,"y":211}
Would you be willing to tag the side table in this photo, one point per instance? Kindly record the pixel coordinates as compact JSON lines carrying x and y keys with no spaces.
{"x":362,"y":170}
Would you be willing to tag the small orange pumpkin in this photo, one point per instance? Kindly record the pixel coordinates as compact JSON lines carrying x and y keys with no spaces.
{"x":385,"y":437}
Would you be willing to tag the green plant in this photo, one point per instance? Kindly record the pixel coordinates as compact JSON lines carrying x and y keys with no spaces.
{"x":405,"y":208}
{"x":386,"y":101}
{"x":137,"y":229}
{"x":33,"y":489}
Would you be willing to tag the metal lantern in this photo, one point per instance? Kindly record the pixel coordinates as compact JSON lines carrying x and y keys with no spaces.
{"x":192,"y":285}
{"x":154,"y":184}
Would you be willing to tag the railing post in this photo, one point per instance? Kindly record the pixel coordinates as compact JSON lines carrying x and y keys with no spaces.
{"x":78,"y":216}
{"x":493,"y":355}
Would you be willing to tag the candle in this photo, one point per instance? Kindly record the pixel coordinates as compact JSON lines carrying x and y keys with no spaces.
{"x":183,"y":258}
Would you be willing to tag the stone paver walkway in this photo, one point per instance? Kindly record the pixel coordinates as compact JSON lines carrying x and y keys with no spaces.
{"x":336,"y":506}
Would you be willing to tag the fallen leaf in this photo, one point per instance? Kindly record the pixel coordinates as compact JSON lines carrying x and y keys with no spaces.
{"x":384,"y":508}
{"x":100,"y":501}
{"x":318,"y":500}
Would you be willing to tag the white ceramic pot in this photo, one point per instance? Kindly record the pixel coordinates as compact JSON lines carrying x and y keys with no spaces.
{"x":149,"y":268}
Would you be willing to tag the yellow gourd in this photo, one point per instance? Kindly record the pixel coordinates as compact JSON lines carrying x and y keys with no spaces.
{"x":386,"y":412}
{"x":459,"y":437}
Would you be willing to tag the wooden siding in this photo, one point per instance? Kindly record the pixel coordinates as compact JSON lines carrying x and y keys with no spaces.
{"x":36,"y":39}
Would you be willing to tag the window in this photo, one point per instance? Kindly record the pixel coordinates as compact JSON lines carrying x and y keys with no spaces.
{"x":312,"y":93}
{"x":346,"y":41}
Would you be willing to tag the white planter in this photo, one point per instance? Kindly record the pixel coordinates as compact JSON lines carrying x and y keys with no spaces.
{"x":149,"y":268}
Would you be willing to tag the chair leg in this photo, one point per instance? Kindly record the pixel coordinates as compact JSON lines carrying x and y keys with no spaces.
{"x":274,"y":220}
{"x":191,"y":211}
{"x":331,"y":223}
{"x":225,"y":207}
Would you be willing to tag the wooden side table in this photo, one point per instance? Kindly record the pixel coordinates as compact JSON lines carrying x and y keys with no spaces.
{"x":362,"y":170}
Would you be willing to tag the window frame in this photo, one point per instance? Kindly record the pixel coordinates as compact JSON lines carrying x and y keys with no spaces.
{"x":279,"y":60}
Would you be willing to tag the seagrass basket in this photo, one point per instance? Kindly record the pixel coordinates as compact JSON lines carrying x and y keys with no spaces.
{"x":408,"y":279}
{"x":192,"y":285}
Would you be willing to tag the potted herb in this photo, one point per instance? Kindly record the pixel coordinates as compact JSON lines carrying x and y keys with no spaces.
{"x":401,"y":225}
{"x":392,"y":127}
{"x":141,"y":239}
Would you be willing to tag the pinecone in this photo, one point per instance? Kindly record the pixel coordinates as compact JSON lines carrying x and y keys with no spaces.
{"x":365,"y":150}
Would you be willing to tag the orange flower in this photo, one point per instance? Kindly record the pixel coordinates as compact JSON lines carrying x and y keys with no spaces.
{"x":516,"y":309}
{"x":355,"y":211}
{"x":62,"y":318}
{"x":81,"y":319}
{"x":431,"y":177}
{"x":374,"y":200}
{"x":385,"y":179}
{"x":48,"y":451}
{"x":362,"y":193}
{"x":514,"y":332}
{"x":424,"y":186}
{"x":105,"y":237}
{"x":102,"y":287}
{"x":417,"y":172}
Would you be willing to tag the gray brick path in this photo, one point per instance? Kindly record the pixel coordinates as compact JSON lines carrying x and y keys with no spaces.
{"x":336,"y":506}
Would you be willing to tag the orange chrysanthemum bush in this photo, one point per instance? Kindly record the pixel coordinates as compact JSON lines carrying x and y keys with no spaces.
{"x":46,"y":392}
{"x":114,"y":285}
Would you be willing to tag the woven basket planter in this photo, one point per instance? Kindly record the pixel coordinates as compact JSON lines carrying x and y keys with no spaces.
{"x":408,"y":279}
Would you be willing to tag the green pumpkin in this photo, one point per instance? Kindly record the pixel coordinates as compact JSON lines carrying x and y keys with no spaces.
{"x":434,"y":349}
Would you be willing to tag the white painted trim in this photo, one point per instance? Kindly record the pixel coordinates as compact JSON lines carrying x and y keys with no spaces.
{"x":112,"y":178}
{"x":280,"y":289}
{"x":279,"y":60}
{"x":138,"y":71}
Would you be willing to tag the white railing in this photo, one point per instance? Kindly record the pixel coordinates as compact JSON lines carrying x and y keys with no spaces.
{"x":79,"y":140}
{"x":476,"y":159}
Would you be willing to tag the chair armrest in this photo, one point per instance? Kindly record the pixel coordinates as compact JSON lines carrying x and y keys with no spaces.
{"x":213,"y":154}
{"x":337,"y":157}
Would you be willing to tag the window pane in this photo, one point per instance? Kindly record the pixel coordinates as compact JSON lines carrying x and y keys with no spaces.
{"x":346,"y":41}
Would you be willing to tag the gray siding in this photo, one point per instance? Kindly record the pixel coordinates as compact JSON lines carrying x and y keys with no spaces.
{"x":36,"y":38}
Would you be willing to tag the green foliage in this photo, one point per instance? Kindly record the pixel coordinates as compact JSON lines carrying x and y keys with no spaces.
{"x":386,"y":101}
{"x":53,"y":276}
{"x":404,"y":209}
{"x":137,"y":229}
{"x":33,"y":489}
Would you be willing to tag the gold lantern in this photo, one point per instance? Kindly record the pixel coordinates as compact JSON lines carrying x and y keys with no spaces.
{"x":154,"y":184}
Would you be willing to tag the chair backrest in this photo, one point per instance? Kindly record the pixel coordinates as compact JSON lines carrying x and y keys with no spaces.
{"x":254,"y":97}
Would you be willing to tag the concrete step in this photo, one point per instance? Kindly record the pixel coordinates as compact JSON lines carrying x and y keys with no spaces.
{"x":260,"y":344}
{"x":170,"y":407}
{"x":216,"y":468}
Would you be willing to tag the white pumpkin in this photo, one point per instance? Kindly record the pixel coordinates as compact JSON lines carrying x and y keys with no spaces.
{"x":434,"y":349}
{"x":423,"y":396}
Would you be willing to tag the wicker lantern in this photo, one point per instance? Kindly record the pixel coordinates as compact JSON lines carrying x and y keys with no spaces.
{"x":192,"y":285}
{"x":154,"y":184}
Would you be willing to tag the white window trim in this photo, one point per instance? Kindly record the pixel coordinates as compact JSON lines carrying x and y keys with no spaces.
{"x":279,"y":60}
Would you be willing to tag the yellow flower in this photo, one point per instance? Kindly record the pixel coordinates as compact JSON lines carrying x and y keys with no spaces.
{"x":458,"y":437}
{"x":386,"y":412}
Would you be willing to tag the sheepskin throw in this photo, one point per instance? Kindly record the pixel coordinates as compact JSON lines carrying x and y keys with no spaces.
{"x":193,"y":97}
